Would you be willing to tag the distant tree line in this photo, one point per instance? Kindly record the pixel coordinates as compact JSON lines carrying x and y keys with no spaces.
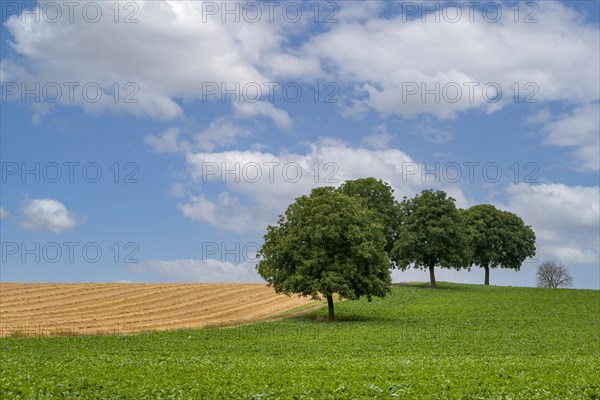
{"x":345,"y":241}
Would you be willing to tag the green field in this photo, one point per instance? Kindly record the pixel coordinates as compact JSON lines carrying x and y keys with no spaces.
{"x":456,"y":342}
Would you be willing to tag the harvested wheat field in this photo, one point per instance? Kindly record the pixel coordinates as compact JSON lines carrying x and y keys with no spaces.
{"x":43,"y":309}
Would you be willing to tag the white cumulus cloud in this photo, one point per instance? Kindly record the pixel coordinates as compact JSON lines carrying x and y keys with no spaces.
{"x":171,"y":54}
{"x":194,"y":270}
{"x":566,"y":219}
{"x":219,"y":133}
{"x":408,"y":67}
{"x":47,"y":215}
{"x":379,"y":139}
{"x":255,"y":186}
{"x":174,"y":52}
{"x":578,"y":130}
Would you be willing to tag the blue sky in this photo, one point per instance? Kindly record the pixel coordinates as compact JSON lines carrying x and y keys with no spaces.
{"x":209,"y":122}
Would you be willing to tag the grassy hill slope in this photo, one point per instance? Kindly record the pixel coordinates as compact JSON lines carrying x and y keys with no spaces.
{"x":460,"y":341}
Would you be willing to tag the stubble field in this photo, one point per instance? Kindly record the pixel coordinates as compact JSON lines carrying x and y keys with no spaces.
{"x":109,"y":308}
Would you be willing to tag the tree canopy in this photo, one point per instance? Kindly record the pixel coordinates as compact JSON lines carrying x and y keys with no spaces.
{"x":379,"y":197}
{"x":497,"y":238}
{"x":326,"y":243}
{"x":430,"y":234}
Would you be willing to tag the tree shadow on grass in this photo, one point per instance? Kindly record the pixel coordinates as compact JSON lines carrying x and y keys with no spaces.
{"x":427,"y":285}
{"x":342,"y":318}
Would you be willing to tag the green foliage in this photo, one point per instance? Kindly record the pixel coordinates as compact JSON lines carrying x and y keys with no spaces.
{"x":431,"y":233}
{"x":326,"y":243}
{"x":379,"y":197}
{"x":498,"y":238}
{"x":458,"y":342}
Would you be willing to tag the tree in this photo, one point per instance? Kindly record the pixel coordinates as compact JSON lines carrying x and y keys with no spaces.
{"x":326,"y":243}
{"x":430,"y":234}
{"x":551,"y":274}
{"x":379,"y":197}
{"x":497,"y":238}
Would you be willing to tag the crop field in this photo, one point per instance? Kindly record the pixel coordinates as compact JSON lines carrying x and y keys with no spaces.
{"x":456,"y":342}
{"x":102,"y":308}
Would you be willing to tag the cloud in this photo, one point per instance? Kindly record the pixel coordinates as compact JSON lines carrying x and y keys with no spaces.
{"x":556,"y":206}
{"x":189,"y":52}
{"x":167,"y":142}
{"x":172,"y":53}
{"x":227,"y":212}
{"x":579,"y":130}
{"x":566,"y":219}
{"x":47,"y":215}
{"x":219,"y":133}
{"x":379,"y":139}
{"x":420,"y":69}
{"x":254,"y":187}
{"x":279,"y":117}
{"x":3,"y":213}
{"x":193,"y":270}
{"x":431,"y":133}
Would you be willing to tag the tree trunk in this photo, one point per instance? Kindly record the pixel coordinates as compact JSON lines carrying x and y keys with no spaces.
{"x":330,"y":307}
{"x":487,"y":275}
{"x":432,"y":277}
